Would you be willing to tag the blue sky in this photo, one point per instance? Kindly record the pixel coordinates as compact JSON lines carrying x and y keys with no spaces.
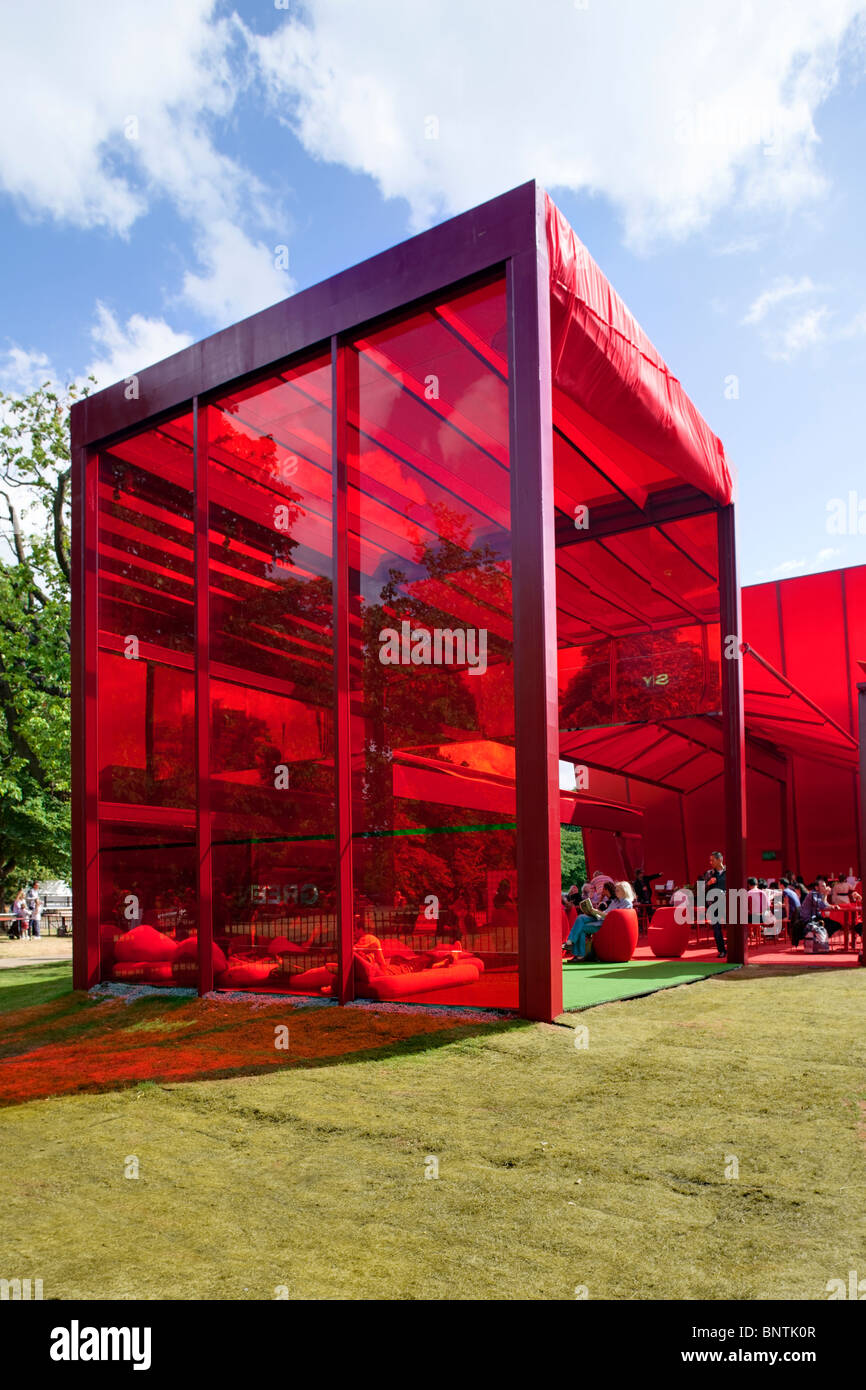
{"x":711,"y":157}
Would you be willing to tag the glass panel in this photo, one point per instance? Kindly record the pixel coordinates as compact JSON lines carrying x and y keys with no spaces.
{"x":147,"y":903}
{"x":146,"y":708}
{"x":146,"y":732}
{"x":432,"y":656}
{"x":272,"y":683}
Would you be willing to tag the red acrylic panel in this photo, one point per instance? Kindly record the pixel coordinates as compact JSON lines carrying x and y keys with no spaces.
{"x":145,"y":709}
{"x":432,"y":677}
{"x":274,"y":914}
{"x":146,"y":729}
{"x":145,"y":540}
{"x":148,"y":919}
{"x":271,"y":682}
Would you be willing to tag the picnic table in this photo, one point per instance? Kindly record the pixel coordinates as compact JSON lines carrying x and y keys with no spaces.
{"x":58,"y":917}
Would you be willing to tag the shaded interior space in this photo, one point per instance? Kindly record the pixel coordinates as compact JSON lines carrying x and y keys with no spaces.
{"x":641,"y":552}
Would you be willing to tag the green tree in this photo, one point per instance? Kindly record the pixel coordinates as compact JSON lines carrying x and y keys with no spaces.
{"x":34,"y":635}
{"x":572,"y":857}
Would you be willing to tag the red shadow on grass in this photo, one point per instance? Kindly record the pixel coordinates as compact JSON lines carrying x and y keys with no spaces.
{"x":78,"y":1044}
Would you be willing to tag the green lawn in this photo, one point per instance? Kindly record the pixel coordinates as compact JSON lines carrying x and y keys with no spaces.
{"x":559,"y":1166}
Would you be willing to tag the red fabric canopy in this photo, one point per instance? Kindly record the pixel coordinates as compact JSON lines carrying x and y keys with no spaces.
{"x":632,"y":409}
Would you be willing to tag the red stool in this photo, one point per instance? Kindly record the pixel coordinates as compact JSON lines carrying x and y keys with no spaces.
{"x":616,"y":938}
{"x":668,"y":937}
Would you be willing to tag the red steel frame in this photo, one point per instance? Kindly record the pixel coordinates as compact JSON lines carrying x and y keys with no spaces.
{"x":507,"y":233}
{"x":733,"y":726}
{"x":861,"y":715}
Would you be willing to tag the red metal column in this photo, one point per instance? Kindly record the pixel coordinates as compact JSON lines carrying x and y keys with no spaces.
{"x":344,"y":369}
{"x":536,"y":695}
{"x":733,"y":726}
{"x":202,"y":702}
{"x":861,"y":705}
{"x":85,"y":771}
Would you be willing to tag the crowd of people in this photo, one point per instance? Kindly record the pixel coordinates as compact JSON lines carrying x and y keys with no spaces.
{"x":774,"y":905}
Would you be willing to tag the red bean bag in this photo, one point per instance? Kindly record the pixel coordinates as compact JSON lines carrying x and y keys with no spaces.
{"x":143,"y":972}
{"x":239,"y":974}
{"x":313,"y":981}
{"x":184,"y":966}
{"x":144,"y":944}
{"x":282,"y":946}
{"x":616,"y":938}
{"x":667,"y":937}
{"x":419,"y":982}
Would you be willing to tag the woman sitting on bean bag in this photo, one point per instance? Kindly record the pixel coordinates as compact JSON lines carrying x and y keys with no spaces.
{"x":587,"y":924}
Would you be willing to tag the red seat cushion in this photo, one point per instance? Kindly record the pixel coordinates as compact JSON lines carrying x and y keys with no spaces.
{"x":143,"y":944}
{"x":616,"y":938}
{"x":185,"y":963}
{"x":312,"y":981}
{"x":282,"y":946}
{"x":245,"y":972}
{"x":420,"y":982}
{"x":144,"y":972}
{"x":667,"y":937}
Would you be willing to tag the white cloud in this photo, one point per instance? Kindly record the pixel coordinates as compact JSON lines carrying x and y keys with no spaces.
{"x":804,"y":331}
{"x":241,"y":277}
{"x":787,"y":332}
{"x":740,"y":246}
{"x":783,"y":289}
{"x":109,"y":106}
{"x":671,"y":110}
{"x":21,"y":371}
{"x":127,"y":349}
{"x":80,"y":80}
{"x":787,"y":568}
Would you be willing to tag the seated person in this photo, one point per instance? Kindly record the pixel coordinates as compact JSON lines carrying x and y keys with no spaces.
{"x":842,"y":894}
{"x":790,"y":900}
{"x":813,"y":908}
{"x":758,"y":900}
{"x":590,"y":918}
{"x":682,"y":897}
{"x":597,"y":885}
{"x":370,"y":947}
{"x":504,"y":912}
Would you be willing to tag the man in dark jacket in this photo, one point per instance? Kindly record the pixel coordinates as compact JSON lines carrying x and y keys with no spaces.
{"x":716,"y":882}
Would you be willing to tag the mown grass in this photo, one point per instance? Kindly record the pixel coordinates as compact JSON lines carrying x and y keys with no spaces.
{"x":28,"y":985}
{"x":602,"y":1166}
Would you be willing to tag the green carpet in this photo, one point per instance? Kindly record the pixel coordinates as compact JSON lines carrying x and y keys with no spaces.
{"x":596,"y":983}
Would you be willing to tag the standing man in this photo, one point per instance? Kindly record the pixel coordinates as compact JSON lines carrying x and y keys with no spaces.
{"x":34,"y":908}
{"x":716,"y":881}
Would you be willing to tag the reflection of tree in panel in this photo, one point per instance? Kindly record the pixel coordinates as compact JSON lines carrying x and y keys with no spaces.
{"x":243,"y":744}
{"x":148,"y":589}
{"x":410,"y":708}
{"x":161,"y":881}
{"x":654,"y":676}
{"x":168,"y":776}
{"x":280,"y":622}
